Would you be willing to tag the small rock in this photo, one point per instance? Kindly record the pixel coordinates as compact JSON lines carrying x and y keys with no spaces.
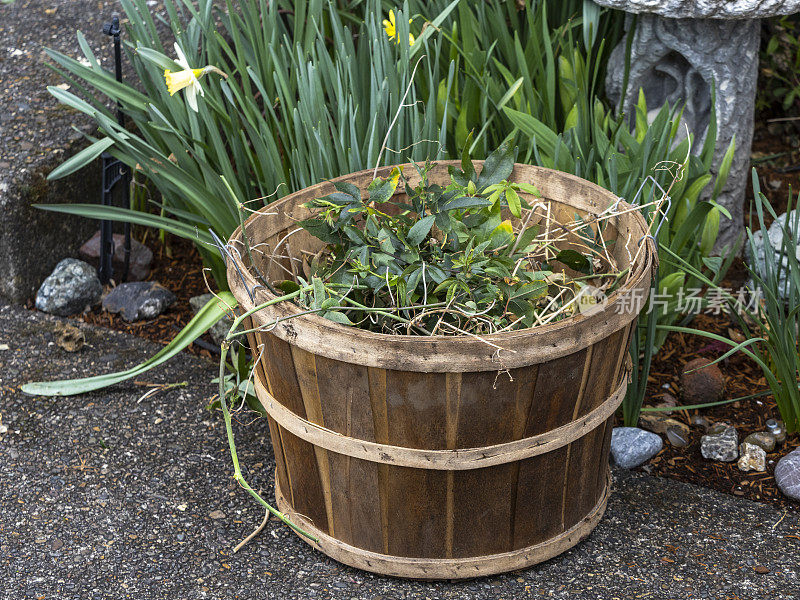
{"x":775,"y":128}
{"x":702,"y":382}
{"x":677,"y":437}
{"x":762,"y":439}
{"x":720,"y":446}
{"x":140,"y":258}
{"x":221,"y":327}
{"x":717,"y":428}
{"x":69,"y":337}
{"x":761,"y":569}
{"x":631,"y":446}
{"x":787,"y":475}
{"x":775,"y":184}
{"x":700,"y":421}
{"x":70,"y":288}
{"x":667,"y":400}
{"x":138,"y":300}
{"x":752,"y":458}
{"x":777,"y":429}
{"x":660,"y":424}
{"x":216,"y":514}
{"x":56,"y":545}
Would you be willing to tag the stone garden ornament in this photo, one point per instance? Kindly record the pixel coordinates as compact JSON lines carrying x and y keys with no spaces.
{"x":681,"y":48}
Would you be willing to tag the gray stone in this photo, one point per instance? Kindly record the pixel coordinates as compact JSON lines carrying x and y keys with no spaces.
{"x":679,"y":60}
{"x":706,"y":9}
{"x":658,"y":423}
{"x":777,"y":428}
{"x":139,"y":262}
{"x":677,"y":437}
{"x":720,"y":446}
{"x":138,"y":300}
{"x":752,"y":458}
{"x":762,"y":439}
{"x":758,"y":260}
{"x":221,"y":327}
{"x":631,"y":446}
{"x":787,"y":475}
{"x":70,"y":288}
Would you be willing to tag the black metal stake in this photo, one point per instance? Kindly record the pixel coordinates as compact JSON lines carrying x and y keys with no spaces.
{"x":114,"y":173}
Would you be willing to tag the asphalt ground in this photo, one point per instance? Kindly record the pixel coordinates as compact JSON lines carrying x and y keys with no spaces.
{"x":105,"y":495}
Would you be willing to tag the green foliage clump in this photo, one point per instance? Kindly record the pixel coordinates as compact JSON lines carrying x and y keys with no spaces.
{"x":314,"y":91}
{"x":642,"y":165}
{"x":454,"y":259}
{"x":772,"y":325}
{"x":775,"y":322}
{"x":318,"y":89}
{"x":779,"y":66}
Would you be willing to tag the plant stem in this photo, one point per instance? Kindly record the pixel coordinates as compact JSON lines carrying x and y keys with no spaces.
{"x":237,"y":472}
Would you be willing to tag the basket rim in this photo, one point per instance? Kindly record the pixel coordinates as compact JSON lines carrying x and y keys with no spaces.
{"x":345,"y":340}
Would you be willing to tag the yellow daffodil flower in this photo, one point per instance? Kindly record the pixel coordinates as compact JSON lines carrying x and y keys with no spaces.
{"x":181,"y":79}
{"x":390,"y":27}
{"x":187,"y":79}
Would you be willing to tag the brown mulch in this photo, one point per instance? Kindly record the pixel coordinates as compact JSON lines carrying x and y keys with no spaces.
{"x":742,"y":378}
{"x":182,"y":274}
{"x":778,"y":178}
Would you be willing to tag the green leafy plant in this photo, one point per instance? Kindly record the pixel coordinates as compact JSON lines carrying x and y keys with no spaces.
{"x":308,"y":97}
{"x":504,"y":54}
{"x":777,"y":319}
{"x":779,"y":65}
{"x":771,"y":327}
{"x":642,"y":165}
{"x":446,"y":259}
{"x":313,"y":91}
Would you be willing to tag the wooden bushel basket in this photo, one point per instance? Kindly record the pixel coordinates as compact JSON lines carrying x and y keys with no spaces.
{"x":441,"y":457}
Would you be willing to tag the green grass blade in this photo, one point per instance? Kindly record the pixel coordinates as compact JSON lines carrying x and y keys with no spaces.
{"x":212,"y":312}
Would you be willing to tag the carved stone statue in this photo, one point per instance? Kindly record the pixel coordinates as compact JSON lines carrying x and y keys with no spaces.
{"x":683,"y":47}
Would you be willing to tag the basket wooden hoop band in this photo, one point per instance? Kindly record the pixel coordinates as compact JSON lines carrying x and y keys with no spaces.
{"x":446,"y":568}
{"x":442,"y":460}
